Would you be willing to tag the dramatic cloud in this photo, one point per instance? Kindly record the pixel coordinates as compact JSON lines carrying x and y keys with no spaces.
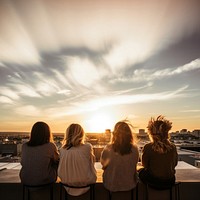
{"x":70,"y":58}
{"x":141,"y":75}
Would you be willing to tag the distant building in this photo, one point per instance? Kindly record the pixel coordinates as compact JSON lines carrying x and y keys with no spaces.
{"x":183,"y":131}
{"x":141,"y":131}
{"x":183,"y":136}
{"x":142,"y":135}
{"x":196,"y":133}
{"x":8,"y":149}
{"x":19,"y":149}
{"x":92,"y":138}
{"x":108,"y":135}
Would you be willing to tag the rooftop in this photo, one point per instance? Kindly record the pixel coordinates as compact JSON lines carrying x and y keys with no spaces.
{"x":187,"y":174}
{"x":9,"y":172}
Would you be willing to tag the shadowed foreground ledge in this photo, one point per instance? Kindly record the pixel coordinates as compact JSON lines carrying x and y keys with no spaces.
{"x":189,"y":176}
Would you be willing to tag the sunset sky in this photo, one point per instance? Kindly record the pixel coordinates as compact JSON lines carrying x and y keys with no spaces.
{"x":97,"y":62}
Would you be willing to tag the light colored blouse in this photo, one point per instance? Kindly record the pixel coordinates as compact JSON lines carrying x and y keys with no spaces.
{"x":120,"y":173}
{"x":39,"y":164}
{"x":76,"y":168}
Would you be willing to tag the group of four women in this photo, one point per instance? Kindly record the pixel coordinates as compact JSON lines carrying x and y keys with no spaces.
{"x":74,"y":163}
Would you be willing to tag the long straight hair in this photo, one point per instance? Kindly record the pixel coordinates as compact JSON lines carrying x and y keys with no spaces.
{"x":74,"y":136}
{"x":122,"y":139}
{"x":40,"y":134}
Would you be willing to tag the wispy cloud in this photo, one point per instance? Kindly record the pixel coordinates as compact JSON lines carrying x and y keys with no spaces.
{"x":60,"y":58}
{"x":88,"y":105}
{"x":30,"y":28}
{"x":141,"y":75}
{"x":191,"y":111}
{"x":45,"y":85}
{"x":82,"y":71}
{"x":28,"y":110}
{"x":2,"y":65}
{"x":182,"y":69}
{"x":120,"y":92}
{"x":15,"y":41}
{"x":61,"y":79}
{"x":26,"y":90}
{"x":6,"y":100}
{"x":9,"y":93}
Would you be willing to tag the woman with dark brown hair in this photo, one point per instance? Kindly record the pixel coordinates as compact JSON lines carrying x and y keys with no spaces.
{"x":159,"y":157}
{"x":39,"y":157}
{"x":119,"y":160}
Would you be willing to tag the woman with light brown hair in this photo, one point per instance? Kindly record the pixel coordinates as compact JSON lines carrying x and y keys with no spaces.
{"x":76,"y":166}
{"x":159,"y":157}
{"x":119,"y":159}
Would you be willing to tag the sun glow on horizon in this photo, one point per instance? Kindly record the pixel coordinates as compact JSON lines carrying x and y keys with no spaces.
{"x":99,"y":122}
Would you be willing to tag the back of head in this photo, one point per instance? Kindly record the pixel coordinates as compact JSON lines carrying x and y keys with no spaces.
{"x":158,"y":132}
{"x":74,"y":136}
{"x":122,"y":139}
{"x":40,"y":134}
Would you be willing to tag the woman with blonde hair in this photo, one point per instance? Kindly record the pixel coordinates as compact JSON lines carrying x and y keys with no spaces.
{"x":76,"y":166}
{"x":119,"y":160}
{"x":159,"y":157}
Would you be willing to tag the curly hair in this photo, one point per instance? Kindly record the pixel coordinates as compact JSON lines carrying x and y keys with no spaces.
{"x":122,"y":139}
{"x":158,"y":132}
{"x":74,"y":136}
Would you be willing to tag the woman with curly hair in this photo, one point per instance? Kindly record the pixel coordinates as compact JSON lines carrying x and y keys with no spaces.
{"x":159,"y":157}
{"x":119,"y":160}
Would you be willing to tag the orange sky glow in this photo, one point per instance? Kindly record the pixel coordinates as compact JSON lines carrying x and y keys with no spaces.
{"x":98,"y":62}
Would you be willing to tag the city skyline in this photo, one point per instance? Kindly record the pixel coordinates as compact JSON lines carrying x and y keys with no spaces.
{"x":98,"y":62}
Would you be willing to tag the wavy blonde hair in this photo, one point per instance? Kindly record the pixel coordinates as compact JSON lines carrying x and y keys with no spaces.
{"x":74,"y":136}
{"x":158,"y":132}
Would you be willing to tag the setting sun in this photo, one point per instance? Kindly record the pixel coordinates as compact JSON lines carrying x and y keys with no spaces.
{"x":98,"y":123}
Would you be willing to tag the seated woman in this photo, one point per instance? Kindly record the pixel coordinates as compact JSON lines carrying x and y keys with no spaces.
{"x":119,"y":160}
{"x":39,"y":157}
{"x":159,"y":157}
{"x":76,"y":166}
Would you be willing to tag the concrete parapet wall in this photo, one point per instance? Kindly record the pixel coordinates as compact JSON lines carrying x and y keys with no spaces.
{"x":188,"y":191}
